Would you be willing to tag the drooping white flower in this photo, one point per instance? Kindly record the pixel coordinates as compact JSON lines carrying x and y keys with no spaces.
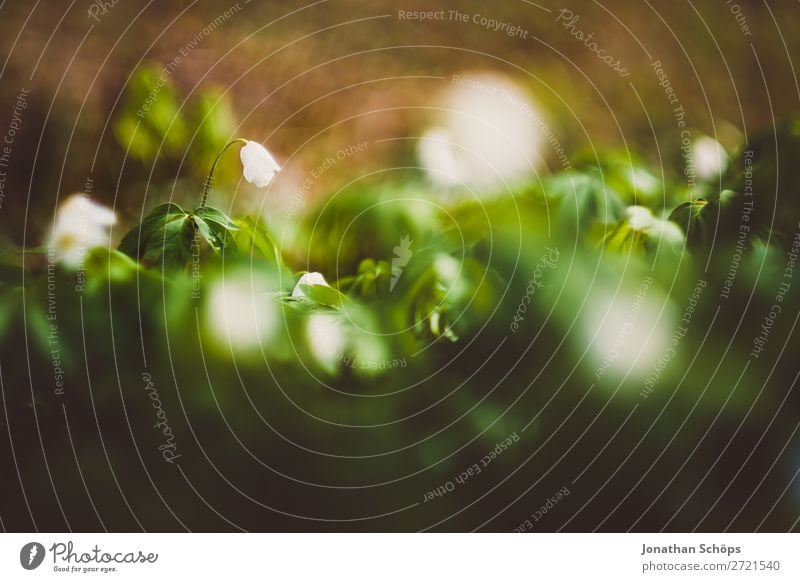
{"x":710,"y":158}
{"x":239,"y":312}
{"x":80,"y":224}
{"x":308,"y":279}
{"x":259,"y":165}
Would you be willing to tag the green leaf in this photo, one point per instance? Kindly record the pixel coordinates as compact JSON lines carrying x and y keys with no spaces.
{"x":217,"y":236}
{"x":212,"y":114}
{"x":254,"y":237}
{"x":698,"y":220}
{"x":151,"y":122}
{"x":324,"y":295}
{"x":135,"y":241}
{"x":165,"y":236}
{"x":211,"y":214}
{"x":172,"y":244}
{"x":205,"y":232}
{"x":136,"y":138}
{"x":584,"y":200}
{"x":372,"y":281}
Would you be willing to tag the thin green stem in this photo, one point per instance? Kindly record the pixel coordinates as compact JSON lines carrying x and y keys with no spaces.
{"x":210,"y":179}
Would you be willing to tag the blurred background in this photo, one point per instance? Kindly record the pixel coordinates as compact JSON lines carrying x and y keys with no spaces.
{"x":560,"y":244}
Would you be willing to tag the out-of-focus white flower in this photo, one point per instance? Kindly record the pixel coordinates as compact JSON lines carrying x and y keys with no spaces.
{"x":667,"y":232}
{"x":259,"y":165}
{"x":489,"y":135}
{"x":80,"y":224}
{"x":437,"y":154}
{"x":327,"y":340}
{"x":627,"y":331}
{"x":240,"y":312}
{"x":639,"y":217}
{"x":308,"y":279}
{"x":710,"y":158}
{"x":646,"y":184}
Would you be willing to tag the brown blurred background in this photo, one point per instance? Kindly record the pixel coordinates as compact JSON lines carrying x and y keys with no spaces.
{"x":311,"y":78}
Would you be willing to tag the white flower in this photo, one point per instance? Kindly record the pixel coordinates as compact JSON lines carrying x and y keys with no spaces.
{"x":667,"y":232}
{"x":491,"y":134}
{"x":437,"y":155}
{"x":710,"y":158}
{"x":240,"y":313}
{"x":308,"y":279}
{"x":639,"y":217}
{"x":259,"y":165}
{"x":80,"y":224}
{"x":626,"y":331}
{"x":327,"y":340}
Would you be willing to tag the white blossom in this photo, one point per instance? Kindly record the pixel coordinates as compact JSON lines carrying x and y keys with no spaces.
{"x":240,"y":313}
{"x":639,"y":218}
{"x":626,"y":331}
{"x":79,"y":225}
{"x":710,"y":158}
{"x":327,"y":340}
{"x":259,"y":165}
{"x":489,"y":134}
{"x":436,"y":152}
{"x":667,"y":232}
{"x":308,"y":279}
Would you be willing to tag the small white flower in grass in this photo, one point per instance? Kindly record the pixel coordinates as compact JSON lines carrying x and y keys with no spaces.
{"x":627,"y":330}
{"x":80,"y":224}
{"x":437,"y":155}
{"x":496,"y":130}
{"x":327,"y":340}
{"x":667,"y":232}
{"x":308,"y":279}
{"x":710,"y":158}
{"x":240,"y":312}
{"x":259,"y":165}
{"x":639,"y":218}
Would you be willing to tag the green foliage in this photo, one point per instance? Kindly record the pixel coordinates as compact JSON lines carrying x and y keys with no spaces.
{"x":216,"y":228}
{"x":151,"y":124}
{"x":371,"y":282}
{"x":319,"y":298}
{"x":624,"y":175}
{"x":583,"y":201}
{"x":156,"y":122}
{"x":167,"y":235}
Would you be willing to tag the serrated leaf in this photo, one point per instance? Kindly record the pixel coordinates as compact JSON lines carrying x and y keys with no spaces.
{"x":217,"y":236}
{"x":208,"y":236}
{"x":136,"y":240}
{"x":210,"y":214}
{"x":172,"y":244}
{"x":584,"y":199}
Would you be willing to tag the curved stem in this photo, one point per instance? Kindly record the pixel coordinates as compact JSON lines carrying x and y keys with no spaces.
{"x":210,"y":179}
